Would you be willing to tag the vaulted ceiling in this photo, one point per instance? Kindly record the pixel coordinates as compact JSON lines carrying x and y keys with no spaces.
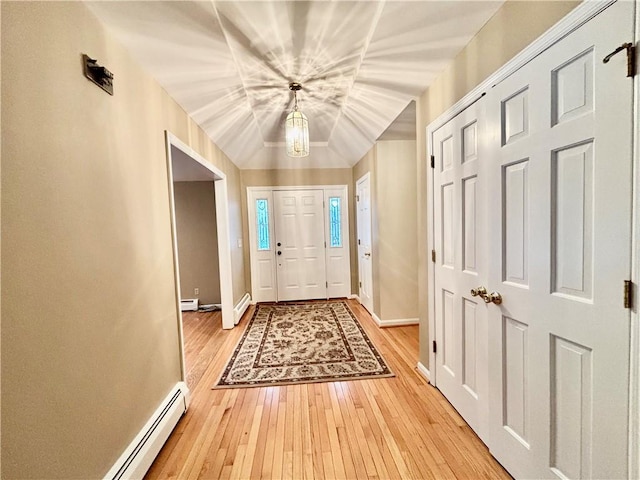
{"x":229,"y":64}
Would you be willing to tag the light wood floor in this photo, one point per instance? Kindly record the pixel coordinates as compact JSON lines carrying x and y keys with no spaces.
{"x":400,"y":428}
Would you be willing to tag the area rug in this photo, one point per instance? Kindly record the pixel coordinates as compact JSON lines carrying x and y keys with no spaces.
{"x":289,"y":343}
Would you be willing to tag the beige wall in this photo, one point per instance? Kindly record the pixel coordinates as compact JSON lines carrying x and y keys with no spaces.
{"x":301,"y":177}
{"x":392,"y":165}
{"x":512,"y":28}
{"x":197,"y":234}
{"x":89,"y":315}
{"x":397,"y":225}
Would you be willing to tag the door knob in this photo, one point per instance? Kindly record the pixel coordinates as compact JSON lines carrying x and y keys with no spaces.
{"x":368,"y":254}
{"x":478,"y":291}
{"x":279,"y":244}
{"x":279,"y":252}
{"x":493,"y":297}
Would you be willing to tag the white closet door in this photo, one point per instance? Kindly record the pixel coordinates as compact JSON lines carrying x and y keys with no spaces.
{"x":460,"y":230}
{"x":300,"y":249}
{"x":560,"y":202}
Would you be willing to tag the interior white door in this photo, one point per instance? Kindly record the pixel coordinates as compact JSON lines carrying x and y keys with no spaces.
{"x":461,"y":318}
{"x":365,"y":270}
{"x":560,"y":190}
{"x":300,"y":244}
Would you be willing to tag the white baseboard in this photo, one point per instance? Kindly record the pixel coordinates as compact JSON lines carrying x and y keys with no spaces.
{"x":398,"y":322}
{"x":142,"y":451}
{"x":424,"y":371}
{"x":241,"y":307}
{"x":353,"y":296}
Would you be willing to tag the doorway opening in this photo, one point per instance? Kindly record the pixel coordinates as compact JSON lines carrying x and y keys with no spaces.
{"x":193,"y":180}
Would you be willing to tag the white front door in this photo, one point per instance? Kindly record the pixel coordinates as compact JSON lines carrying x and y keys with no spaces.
{"x":560,"y":196}
{"x":461,"y":319}
{"x":365,"y":271}
{"x":300,"y":244}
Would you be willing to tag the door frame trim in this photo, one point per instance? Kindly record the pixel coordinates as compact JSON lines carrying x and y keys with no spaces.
{"x":572,"y":21}
{"x":634,"y":374}
{"x":222,"y":225}
{"x":252,"y":233}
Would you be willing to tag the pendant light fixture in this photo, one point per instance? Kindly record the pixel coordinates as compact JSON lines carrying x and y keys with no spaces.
{"x":296,"y":128}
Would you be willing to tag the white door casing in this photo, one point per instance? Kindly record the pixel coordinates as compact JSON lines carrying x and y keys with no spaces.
{"x":560,"y":198}
{"x":365,"y":270}
{"x":262,"y":246}
{"x":300,"y":244}
{"x":222,"y":225}
{"x":460,"y":266}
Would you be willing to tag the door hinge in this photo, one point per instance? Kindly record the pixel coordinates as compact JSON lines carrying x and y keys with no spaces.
{"x":357,"y":198}
{"x":434,"y":346}
{"x":325,"y":244}
{"x":628,"y":294}
{"x":433,"y":256}
{"x":433,"y":161}
{"x":631,"y":57}
{"x":358,"y":241}
{"x":327,"y":284}
{"x":360,"y":284}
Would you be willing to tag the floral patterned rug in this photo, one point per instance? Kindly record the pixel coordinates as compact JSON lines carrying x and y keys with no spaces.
{"x":290,"y":343}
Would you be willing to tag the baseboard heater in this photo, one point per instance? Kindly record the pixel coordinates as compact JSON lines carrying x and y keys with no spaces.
{"x":241,"y":307}
{"x":142,"y":451}
{"x":189,"y":304}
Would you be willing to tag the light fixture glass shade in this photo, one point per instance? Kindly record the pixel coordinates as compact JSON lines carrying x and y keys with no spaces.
{"x":297,"y":134}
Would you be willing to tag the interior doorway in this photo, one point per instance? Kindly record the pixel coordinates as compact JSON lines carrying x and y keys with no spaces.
{"x":185,"y":165}
{"x":197,"y":239}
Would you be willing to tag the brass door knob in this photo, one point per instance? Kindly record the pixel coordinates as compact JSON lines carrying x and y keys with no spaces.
{"x":493,"y":297}
{"x":478,"y":291}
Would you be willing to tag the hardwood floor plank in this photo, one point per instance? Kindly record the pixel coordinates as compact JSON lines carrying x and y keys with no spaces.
{"x":287,"y":466}
{"x":316,"y":438}
{"x":336,"y":453}
{"x":361,"y":456}
{"x":252,"y":441}
{"x":278,"y":442}
{"x":214,"y":464}
{"x":298,"y":407}
{"x":398,"y":427}
{"x":307,"y":445}
{"x":270,"y":439}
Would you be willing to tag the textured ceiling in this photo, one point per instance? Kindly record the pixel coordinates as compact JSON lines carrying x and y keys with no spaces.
{"x":228,"y":64}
